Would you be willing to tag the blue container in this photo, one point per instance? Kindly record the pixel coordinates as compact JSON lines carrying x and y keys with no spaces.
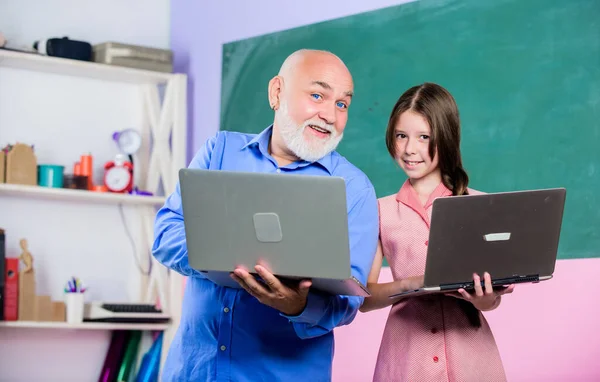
{"x":50,"y":175}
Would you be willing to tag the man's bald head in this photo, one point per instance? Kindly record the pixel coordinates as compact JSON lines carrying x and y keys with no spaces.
{"x":310,"y":96}
{"x":314,"y":67}
{"x":305,"y":58}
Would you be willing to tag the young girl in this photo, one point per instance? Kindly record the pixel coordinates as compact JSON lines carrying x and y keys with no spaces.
{"x":436,"y":337}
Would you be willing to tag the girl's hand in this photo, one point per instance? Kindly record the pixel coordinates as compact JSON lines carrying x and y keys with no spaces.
{"x":483,"y":300}
{"x":412,"y":283}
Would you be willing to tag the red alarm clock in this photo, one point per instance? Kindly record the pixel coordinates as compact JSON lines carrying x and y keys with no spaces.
{"x":118,"y":175}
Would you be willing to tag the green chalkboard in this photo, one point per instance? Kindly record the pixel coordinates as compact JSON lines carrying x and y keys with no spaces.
{"x":525,"y":74}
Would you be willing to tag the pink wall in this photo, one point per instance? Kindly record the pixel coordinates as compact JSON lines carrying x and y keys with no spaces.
{"x":545,"y":332}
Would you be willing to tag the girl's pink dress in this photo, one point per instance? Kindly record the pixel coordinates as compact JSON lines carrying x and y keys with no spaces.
{"x":427,"y":338}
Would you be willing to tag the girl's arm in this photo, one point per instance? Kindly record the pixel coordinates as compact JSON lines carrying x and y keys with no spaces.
{"x":379,"y":292}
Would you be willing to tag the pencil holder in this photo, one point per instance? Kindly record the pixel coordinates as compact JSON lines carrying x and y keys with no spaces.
{"x":50,"y":175}
{"x":74,"y":303}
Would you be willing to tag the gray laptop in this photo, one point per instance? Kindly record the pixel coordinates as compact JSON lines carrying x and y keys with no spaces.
{"x":294,"y":225}
{"x":513,"y":236}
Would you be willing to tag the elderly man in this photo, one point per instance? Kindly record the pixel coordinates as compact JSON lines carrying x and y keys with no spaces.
{"x":271,"y":331}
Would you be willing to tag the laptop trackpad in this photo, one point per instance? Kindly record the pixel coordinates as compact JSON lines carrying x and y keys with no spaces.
{"x":267,"y":227}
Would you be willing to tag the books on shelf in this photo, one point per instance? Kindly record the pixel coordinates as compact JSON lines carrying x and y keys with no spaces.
{"x":122,"y":362}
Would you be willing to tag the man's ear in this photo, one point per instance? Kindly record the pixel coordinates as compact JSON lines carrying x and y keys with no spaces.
{"x":275,"y":86}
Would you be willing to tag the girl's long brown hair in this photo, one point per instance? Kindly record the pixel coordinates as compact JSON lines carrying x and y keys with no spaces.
{"x":439,"y":108}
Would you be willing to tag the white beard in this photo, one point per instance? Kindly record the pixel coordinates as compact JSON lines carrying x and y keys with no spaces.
{"x":310,"y":149}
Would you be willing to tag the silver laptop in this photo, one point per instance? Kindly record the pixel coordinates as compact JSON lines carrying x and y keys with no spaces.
{"x":294,"y":225}
{"x":513,"y":236}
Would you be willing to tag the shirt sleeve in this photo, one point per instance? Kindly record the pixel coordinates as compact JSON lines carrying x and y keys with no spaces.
{"x":169,"y":246}
{"x":322,"y":312}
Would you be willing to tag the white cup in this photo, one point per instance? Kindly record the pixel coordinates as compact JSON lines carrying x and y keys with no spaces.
{"x":74,"y":305}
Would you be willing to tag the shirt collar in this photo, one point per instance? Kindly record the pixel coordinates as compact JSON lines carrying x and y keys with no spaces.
{"x":408,"y":196}
{"x":262,"y":142}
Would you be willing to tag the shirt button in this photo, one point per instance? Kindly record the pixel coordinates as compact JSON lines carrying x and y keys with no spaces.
{"x":426,"y":242}
{"x":223,"y":347}
{"x":226,"y":310}
{"x":278,"y":170}
{"x":434,"y":330}
{"x":435,"y":359}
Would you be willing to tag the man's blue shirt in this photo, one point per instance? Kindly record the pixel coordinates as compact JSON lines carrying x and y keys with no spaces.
{"x":227,"y":335}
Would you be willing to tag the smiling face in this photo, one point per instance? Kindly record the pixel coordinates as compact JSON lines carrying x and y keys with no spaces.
{"x":423,"y":136}
{"x":311,"y":97}
{"x":413,"y":135}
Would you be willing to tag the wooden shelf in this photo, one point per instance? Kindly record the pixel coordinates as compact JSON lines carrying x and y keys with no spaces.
{"x":70,"y":195}
{"x":77,"y":68}
{"x":82,"y":326}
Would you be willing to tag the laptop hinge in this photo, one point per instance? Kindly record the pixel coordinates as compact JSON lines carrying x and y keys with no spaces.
{"x":496,"y":282}
{"x":517,"y":279}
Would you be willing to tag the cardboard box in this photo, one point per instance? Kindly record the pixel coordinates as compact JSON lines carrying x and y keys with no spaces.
{"x":21,"y":165}
{"x":134,"y":56}
{"x":2,"y":166}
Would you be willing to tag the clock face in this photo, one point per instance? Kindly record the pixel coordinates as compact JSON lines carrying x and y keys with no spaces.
{"x":117,"y":178}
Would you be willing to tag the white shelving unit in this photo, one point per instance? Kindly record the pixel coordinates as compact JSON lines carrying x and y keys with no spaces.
{"x":46,"y":64}
{"x":162,"y":154}
{"x":71,"y":195}
{"x":82,"y":326}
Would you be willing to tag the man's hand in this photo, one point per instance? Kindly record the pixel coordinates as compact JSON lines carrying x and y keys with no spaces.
{"x":483,"y":300}
{"x":289,"y":301}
